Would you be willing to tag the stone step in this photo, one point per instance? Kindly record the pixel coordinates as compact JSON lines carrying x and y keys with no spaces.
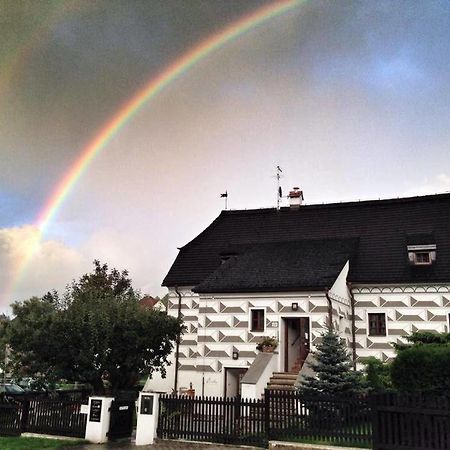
{"x":286,"y":375}
{"x":282,"y":381}
{"x":280,"y":387}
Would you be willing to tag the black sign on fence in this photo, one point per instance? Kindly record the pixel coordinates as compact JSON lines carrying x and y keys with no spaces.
{"x":95,"y":413}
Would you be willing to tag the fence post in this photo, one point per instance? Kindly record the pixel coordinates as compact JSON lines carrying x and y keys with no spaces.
{"x":98,"y":420}
{"x":267,"y":413}
{"x":25,"y":415}
{"x":374,"y":401}
{"x":147,"y":418}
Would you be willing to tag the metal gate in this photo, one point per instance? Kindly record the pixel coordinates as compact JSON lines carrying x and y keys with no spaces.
{"x":121,"y":422}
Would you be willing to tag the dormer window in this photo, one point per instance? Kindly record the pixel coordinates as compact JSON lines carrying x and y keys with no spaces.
{"x":422,"y":255}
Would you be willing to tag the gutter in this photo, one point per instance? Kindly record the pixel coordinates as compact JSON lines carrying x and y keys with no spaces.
{"x":330,"y":309}
{"x":352,"y":304}
{"x":177,"y":346}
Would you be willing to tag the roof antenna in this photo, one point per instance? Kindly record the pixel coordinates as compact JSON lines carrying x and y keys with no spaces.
{"x":279,"y":191}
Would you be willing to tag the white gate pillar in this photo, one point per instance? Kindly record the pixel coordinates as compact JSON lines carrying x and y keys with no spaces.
{"x":147,"y":418}
{"x":98,"y":419}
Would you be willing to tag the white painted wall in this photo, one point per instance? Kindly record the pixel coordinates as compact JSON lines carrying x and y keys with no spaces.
{"x":223,"y":327}
{"x":255,"y":390}
{"x":408,"y":308}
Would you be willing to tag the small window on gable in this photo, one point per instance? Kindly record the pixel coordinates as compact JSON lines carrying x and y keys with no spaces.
{"x":422,"y":255}
{"x":377,"y":324}
{"x":257,"y":317}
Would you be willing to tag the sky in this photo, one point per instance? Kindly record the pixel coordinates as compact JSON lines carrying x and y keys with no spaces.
{"x":351,"y":99}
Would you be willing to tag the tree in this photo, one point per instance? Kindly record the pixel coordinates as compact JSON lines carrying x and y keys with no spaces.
{"x":422,"y":364}
{"x":94,"y":332}
{"x":377,"y":374}
{"x":4,"y":323}
{"x":333,"y":369}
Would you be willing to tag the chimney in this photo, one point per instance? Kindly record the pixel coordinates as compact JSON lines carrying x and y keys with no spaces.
{"x":295,"y":198}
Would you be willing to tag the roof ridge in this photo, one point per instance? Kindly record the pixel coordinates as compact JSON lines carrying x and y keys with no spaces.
{"x":384,"y":201}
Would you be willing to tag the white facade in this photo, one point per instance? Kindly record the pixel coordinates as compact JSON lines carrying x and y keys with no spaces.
{"x":407,"y":308}
{"x":219,"y":325}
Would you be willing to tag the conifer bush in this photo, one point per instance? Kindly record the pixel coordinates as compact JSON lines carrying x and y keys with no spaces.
{"x":334,"y":374}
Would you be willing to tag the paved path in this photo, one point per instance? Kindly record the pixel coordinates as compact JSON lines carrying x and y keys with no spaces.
{"x":160,"y":445}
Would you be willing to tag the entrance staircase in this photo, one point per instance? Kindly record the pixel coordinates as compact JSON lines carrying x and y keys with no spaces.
{"x":285,"y":381}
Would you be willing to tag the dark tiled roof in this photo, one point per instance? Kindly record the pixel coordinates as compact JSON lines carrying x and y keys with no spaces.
{"x":384,"y":229}
{"x":280,"y":266}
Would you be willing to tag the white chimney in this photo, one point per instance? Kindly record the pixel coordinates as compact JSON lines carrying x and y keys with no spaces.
{"x":295,"y":197}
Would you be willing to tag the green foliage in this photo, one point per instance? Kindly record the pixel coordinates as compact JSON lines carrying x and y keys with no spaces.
{"x":422,"y":367}
{"x":267,"y":341}
{"x":32,"y":443}
{"x":95,"y":333}
{"x":377,"y":374}
{"x":423,"y":338}
{"x":333,"y":368}
{"x":4,"y":324}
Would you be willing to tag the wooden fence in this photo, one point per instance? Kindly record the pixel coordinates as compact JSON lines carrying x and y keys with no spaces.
{"x":224,"y":420}
{"x":10,"y":415}
{"x":325,"y":419}
{"x":411,"y":422}
{"x":42,"y":415}
{"x":381,"y":422}
{"x":281,"y":415}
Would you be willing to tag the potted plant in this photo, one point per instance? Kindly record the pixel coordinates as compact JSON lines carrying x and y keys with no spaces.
{"x":267,"y":344}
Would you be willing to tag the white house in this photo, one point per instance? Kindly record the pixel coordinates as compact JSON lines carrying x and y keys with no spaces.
{"x":376,"y":270}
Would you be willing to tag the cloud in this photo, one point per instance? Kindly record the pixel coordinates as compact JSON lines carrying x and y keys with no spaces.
{"x":51,"y":266}
{"x":54,"y":264}
{"x":437,"y":185}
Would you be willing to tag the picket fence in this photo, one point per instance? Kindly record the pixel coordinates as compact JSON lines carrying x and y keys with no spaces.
{"x":380,"y":422}
{"x":42,"y":415}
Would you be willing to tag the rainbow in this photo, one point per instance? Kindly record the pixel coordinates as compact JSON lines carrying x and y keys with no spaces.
{"x":133,"y":106}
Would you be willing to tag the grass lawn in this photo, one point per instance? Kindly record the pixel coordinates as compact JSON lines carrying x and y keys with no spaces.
{"x":29,"y":443}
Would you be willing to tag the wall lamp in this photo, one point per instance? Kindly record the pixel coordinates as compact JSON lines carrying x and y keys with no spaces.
{"x":235,"y":355}
{"x":294,"y":306}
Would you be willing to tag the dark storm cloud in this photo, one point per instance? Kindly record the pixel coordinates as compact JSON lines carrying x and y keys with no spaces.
{"x":81,"y":70}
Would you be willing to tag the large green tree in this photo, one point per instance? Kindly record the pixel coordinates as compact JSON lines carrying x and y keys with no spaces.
{"x":94,"y":332}
{"x":334,"y":374}
{"x":4,"y":323}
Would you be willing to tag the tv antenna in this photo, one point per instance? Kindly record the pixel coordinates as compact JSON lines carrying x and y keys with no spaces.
{"x":279,"y":190}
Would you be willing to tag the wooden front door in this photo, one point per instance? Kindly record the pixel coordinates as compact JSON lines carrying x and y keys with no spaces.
{"x":296,"y":342}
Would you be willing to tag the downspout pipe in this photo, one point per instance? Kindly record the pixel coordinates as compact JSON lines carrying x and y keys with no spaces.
{"x":177,"y":344}
{"x":352,"y":305}
{"x":330,"y":309}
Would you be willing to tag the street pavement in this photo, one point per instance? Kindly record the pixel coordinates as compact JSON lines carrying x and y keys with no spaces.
{"x":160,"y":444}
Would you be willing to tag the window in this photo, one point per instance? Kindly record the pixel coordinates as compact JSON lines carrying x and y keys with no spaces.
{"x":422,"y":258}
{"x":421,"y":255}
{"x":257,"y":319}
{"x":377,"y":324}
